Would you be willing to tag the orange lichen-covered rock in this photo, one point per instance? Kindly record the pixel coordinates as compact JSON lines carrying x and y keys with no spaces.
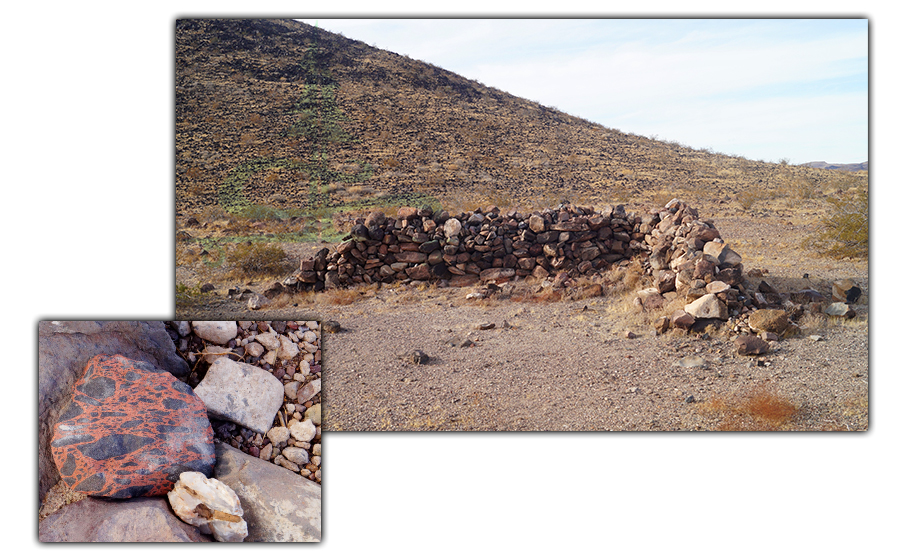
{"x":130,"y":430}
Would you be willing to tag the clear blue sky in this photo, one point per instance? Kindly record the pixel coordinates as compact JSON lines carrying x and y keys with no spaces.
{"x":760,"y":88}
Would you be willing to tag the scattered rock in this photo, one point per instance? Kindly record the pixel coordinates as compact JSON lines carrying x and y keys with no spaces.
{"x":747,"y":345}
{"x":257,"y":301}
{"x":839,"y":309}
{"x":682,"y":319}
{"x":241,"y":393}
{"x":690,"y":361}
{"x":296,"y":455}
{"x":815,"y":338}
{"x":130,"y":430}
{"x":845,"y":291}
{"x":331,"y":326}
{"x":210,"y":505}
{"x":773,"y":320}
{"x":416,"y":356}
{"x":279,"y":435}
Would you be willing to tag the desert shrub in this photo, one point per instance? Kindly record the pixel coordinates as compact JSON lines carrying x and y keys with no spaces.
{"x":750,"y":197}
{"x":249,"y":260}
{"x":845,"y":232}
{"x":759,"y":410}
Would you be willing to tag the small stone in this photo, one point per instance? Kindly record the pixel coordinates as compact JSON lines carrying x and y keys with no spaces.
{"x":689,"y":399}
{"x":815,"y":338}
{"x":485,"y":327}
{"x":296,"y":455}
{"x":255,"y":349}
{"x":417,"y":357}
{"x":682,"y":319}
{"x":265,"y":453}
{"x":839,"y":309}
{"x":309,"y":390}
{"x":629,"y":335}
{"x":331,"y":326}
{"x":317,"y":449}
{"x":690,"y":361}
{"x":747,"y":345}
{"x":288,"y":349}
{"x":218,"y":332}
{"x":304,"y":431}
{"x":290,"y":390}
{"x":241,"y":393}
{"x":270,"y":340}
{"x":278,"y":435}
{"x":773,"y":320}
{"x":256,"y":301}
{"x":314,"y":414}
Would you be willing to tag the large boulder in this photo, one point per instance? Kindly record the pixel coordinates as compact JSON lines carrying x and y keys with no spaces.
{"x":279,"y":505}
{"x":130,"y":430}
{"x":64,"y":347}
{"x":147,"y":519}
{"x":241,"y":393}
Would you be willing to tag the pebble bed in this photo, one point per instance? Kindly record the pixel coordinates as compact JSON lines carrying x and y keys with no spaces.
{"x":301,"y":375}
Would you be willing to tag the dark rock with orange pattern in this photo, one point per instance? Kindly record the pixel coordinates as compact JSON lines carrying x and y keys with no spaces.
{"x":130,"y":430}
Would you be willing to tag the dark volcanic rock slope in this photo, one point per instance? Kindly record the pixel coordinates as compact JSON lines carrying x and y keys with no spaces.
{"x":280,"y":113}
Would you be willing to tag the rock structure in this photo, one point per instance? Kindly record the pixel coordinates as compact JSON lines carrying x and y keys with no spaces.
{"x":683,"y":253}
{"x":130,"y":430}
{"x":477,"y":246}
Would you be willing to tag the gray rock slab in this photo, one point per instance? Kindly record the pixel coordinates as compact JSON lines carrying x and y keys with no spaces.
{"x":279,"y":505}
{"x":146,"y":519}
{"x":64,"y":347}
{"x":241,"y":393}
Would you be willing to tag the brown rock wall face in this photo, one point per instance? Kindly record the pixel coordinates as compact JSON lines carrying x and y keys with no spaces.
{"x":579,"y":241}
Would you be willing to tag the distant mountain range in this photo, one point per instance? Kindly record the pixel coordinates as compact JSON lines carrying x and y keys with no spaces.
{"x":845,"y":167}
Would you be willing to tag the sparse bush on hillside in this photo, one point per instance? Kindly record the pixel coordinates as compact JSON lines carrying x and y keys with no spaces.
{"x":845,"y":232}
{"x":256,"y":260}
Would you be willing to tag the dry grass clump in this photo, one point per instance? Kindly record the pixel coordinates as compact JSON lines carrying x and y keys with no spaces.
{"x":759,"y":410}
{"x":255,"y":260}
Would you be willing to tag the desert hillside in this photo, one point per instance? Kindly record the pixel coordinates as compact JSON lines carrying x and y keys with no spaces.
{"x":275,"y":117}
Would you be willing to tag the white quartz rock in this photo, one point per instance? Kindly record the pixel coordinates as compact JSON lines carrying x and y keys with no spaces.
{"x":210,"y":505}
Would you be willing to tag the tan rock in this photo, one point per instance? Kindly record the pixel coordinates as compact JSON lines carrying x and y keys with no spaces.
{"x":772,"y":320}
{"x":707,"y":307}
{"x":210,"y":505}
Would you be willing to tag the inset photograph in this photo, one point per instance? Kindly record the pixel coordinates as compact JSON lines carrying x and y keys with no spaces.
{"x":153,"y":431}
